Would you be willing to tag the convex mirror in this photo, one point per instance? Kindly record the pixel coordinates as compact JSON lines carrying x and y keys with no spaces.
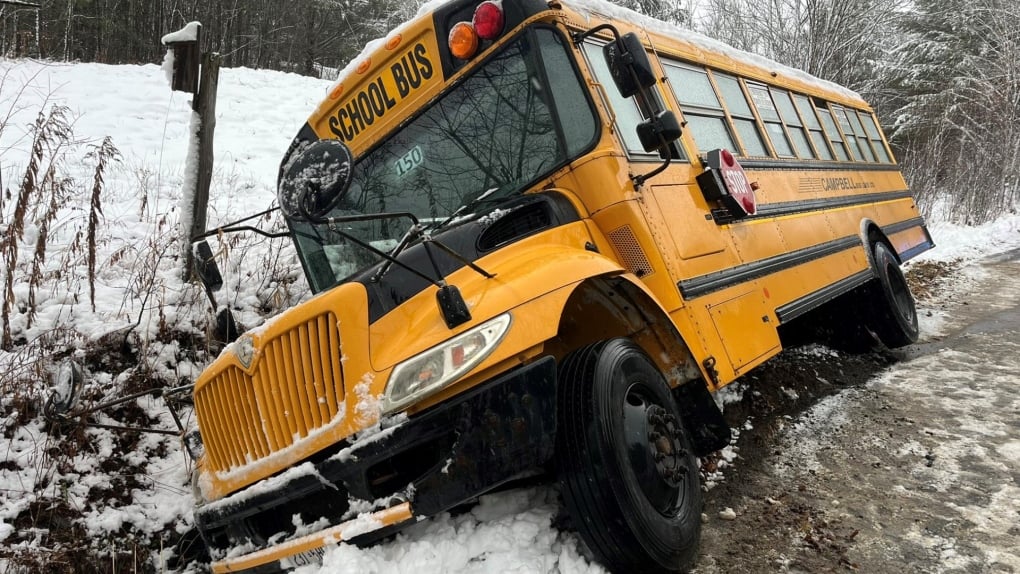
{"x":315,"y":180}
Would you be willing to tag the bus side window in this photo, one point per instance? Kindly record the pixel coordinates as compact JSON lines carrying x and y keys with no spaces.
{"x":740,"y":112}
{"x":770,"y":116}
{"x":579,"y":124}
{"x":793,"y":124}
{"x":831,"y":131}
{"x":807,"y":113}
{"x":871,"y":128}
{"x":626,"y":110}
{"x":700,"y":106}
{"x":862,"y":138}
{"x":848,"y":131}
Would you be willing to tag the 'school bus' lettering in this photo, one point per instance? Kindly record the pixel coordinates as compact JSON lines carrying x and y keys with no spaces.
{"x":382,"y":94}
{"x":508,"y":266}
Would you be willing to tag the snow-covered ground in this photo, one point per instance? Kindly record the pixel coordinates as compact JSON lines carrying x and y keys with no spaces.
{"x":139,"y":293}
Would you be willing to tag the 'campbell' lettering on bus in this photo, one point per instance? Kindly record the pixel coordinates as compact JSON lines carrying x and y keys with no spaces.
{"x":373,"y":101}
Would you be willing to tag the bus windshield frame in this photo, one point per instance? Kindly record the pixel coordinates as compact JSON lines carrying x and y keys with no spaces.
{"x":513,"y":120}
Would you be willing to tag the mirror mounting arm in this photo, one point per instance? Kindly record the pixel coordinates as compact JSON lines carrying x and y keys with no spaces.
{"x":461,"y":258}
{"x":579,"y":37}
{"x":451,"y":303}
{"x":639,"y":180}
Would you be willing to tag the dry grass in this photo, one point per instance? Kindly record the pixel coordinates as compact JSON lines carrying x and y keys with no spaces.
{"x":925,"y":278}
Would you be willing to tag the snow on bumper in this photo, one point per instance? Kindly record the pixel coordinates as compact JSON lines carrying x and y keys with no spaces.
{"x":429,"y":463}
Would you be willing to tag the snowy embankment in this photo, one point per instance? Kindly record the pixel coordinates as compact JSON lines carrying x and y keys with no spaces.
{"x":96,"y":496}
{"x":108,"y":489}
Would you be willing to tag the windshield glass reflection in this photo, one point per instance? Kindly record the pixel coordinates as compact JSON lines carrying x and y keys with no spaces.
{"x":492,"y":136}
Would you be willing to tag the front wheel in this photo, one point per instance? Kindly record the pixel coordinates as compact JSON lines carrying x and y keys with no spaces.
{"x":627,"y":472}
{"x":893,"y":314}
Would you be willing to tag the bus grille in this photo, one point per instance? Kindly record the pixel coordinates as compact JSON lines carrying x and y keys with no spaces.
{"x":295,"y":388}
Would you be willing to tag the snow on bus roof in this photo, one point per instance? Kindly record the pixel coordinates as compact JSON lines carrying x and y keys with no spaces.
{"x":608,"y":10}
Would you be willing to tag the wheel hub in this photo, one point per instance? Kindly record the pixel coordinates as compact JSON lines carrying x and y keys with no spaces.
{"x":664,"y":442}
{"x":655,"y":447}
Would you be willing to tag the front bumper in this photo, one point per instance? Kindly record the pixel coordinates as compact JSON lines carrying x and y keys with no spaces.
{"x":443,"y":457}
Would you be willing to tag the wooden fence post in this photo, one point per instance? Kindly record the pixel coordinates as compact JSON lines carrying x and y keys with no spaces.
{"x":204,"y":105}
{"x":200,"y":75}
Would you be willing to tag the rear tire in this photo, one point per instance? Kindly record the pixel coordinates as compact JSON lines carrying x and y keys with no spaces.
{"x":627,"y":471}
{"x":893,"y":315}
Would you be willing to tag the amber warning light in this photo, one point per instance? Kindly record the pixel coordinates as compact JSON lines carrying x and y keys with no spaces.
{"x":486,"y":24}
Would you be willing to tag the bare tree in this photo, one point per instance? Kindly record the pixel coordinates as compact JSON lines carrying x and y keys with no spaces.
{"x":833,"y":39}
{"x":956,"y":86}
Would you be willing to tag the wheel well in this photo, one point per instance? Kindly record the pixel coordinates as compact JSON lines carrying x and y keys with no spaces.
{"x":871,"y":233}
{"x":606,"y":307}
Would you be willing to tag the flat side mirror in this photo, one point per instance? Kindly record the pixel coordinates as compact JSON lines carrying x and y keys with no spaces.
{"x":315,"y":180}
{"x":658,"y":131}
{"x":628,"y":64}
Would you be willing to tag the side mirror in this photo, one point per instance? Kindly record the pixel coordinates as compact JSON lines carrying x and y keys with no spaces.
{"x":661,"y":129}
{"x":629,"y":65}
{"x":315,"y":180}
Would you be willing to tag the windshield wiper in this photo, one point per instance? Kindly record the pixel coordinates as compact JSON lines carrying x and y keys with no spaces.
{"x":458,"y":213}
{"x":452,"y":306}
{"x":424,"y":232}
{"x":417,"y":231}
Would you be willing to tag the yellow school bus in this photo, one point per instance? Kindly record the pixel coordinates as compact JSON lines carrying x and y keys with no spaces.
{"x":540,"y":235}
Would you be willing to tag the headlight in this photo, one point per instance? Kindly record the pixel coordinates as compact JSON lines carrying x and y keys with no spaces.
{"x":416,"y":378}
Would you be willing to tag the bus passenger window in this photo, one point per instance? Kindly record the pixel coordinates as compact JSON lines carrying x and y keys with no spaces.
{"x":807,"y":113}
{"x":830,"y":129}
{"x":770,"y":116}
{"x":871,"y":128}
{"x":702,"y":111}
{"x":862,"y":138}
{"x":848,"y":131}
{"x":740,"y":112}
{"x":793,"y":124}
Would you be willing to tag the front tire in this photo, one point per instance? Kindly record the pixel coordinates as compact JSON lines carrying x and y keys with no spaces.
{"x":627,"y":472}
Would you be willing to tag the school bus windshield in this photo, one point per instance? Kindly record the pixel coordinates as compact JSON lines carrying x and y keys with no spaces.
{"x":515,"y":119}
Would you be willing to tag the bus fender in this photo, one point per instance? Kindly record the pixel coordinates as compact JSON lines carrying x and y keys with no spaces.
{"x":872,"y":233}
{"x":605,"y":307}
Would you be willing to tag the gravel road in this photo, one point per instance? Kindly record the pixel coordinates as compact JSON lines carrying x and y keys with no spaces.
{"x":905,"y":462}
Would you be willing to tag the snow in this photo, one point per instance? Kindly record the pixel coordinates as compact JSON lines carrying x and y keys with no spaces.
{"x":169,"y":60}
{"x":955,"y":241}
{"x":258,"y":114}
{"x":138,"y":287}
{"x":189,"y":33}
{"x":506,"y":532}
{"x":604,"y":8}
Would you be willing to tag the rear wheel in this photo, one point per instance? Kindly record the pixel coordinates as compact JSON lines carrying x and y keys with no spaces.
{"x":627,"y":472}
{"x":893,"y":315}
